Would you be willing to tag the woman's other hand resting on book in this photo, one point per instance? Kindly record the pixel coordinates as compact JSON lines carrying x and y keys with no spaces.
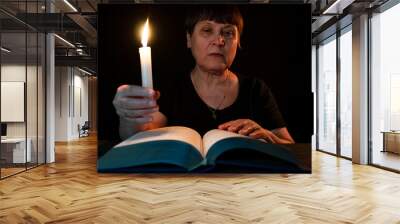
{"x":137,"y":109}
{"x":252,"y":129}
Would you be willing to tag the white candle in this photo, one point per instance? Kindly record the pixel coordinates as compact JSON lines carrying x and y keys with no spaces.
{"x":145,"y":58}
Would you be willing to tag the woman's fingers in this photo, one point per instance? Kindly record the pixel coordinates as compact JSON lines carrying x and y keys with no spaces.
{"x":270,"y":139}
{"x":139,"y":120}
{"x":249,"y":128}
{"x":257,"y":134}
{"x":132,"y":97}
{"x":135,"y":91}
{"x":144,"y":116}
{"x":125,"y":92}
{"x":236,"y":127}
{"x":135,"y":103}
{"x":137,"y":113}
{"x":241,"y":126}
{"x":263,"y":134}
{"x":225,"y":125}
{"x":233,"y":126}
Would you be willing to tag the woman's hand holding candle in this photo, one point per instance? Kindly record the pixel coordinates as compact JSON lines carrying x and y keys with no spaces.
{"x":135,"y":103}
{"x":137,"y":109}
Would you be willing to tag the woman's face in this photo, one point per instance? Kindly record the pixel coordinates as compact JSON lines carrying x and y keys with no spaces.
{"x":213,"y":45}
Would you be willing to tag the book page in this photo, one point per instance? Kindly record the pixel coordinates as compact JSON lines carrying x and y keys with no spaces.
{"x":178,"y":133}
{"x":216,"y":135}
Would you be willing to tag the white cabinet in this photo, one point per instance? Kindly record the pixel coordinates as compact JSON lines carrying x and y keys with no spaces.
{"x":17,"y":147}
{"x":391,"y":141}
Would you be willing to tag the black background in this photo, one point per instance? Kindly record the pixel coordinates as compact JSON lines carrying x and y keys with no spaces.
{"x":276,"y":46}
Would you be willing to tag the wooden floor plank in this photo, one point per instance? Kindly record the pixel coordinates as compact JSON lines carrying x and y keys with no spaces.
{"x":71,"y":191}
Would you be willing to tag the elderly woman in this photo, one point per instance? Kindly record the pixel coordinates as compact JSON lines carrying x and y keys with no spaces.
{"x":211,"y":96}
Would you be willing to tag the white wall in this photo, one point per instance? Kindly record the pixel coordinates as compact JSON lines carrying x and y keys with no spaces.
{"x":81,"y":83}
{"x":62,"y":81}
{"x":71,"y":101}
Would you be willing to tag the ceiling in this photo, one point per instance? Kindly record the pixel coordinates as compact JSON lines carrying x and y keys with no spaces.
{"x":78,"y":26}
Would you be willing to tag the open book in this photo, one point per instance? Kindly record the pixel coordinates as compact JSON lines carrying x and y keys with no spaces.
{"x":181,"y":149}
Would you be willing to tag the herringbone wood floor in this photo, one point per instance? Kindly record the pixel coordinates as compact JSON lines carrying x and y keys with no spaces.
{"x":71,"y":191}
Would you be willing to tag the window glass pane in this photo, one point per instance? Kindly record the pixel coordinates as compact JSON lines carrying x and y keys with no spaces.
{"x":14,"y":151}
{"x":23,"y":88}
{"x":327,"y":96}
{"x":385,"y":84}
{"x":346,"y":94}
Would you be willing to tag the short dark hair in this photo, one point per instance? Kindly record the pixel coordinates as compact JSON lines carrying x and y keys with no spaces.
{"x":217,"y":13}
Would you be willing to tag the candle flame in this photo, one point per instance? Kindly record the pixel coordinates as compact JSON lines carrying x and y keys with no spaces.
{"x":145,"y":33}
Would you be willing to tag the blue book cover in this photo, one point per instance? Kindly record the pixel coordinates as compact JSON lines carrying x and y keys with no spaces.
{"x":180,"y":149}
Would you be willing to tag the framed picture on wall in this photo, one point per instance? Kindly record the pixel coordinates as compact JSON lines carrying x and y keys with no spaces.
{"x":230,"y":91}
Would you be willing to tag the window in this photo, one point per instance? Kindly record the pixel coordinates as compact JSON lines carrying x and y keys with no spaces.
{"x":385,"y":87}
{"x":327,"y":95}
